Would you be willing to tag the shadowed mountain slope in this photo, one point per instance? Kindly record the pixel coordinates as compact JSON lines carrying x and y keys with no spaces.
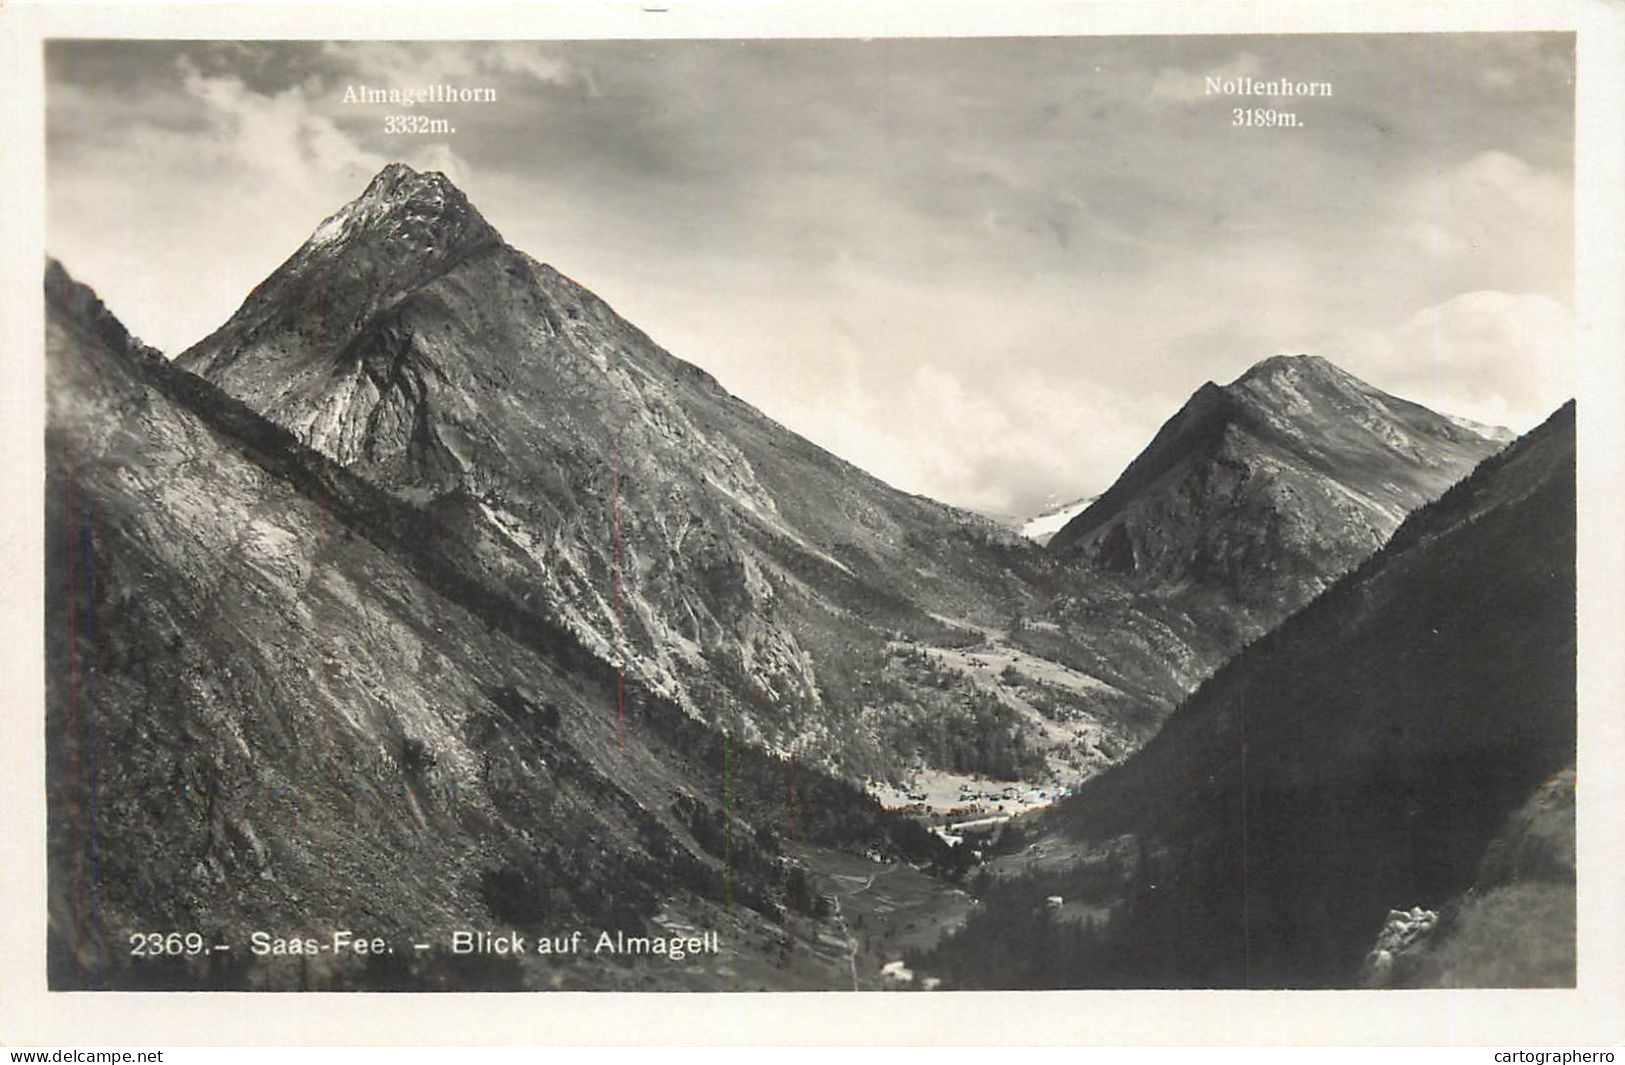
{"x":273,"y":705}
{"x":1359,"y":759}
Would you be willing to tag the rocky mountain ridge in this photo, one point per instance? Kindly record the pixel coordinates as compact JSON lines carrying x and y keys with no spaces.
{"x":1265,"y":490}
{"x":711,"y":555}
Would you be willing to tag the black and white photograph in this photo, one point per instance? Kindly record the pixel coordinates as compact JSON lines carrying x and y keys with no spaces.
{"x":909,"y":514}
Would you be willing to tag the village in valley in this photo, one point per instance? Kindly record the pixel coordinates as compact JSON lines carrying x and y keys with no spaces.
{"x":960,"y":808}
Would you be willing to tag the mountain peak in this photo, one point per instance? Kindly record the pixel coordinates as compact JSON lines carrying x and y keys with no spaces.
{"x":394,"y":173}
{"x":1299,"y":389}
{"x":398,"y":182}
{"x":424,"y":210}
{"x":1263,"y":487}
{"x":1291,"y":367}
{"x":404,"y":229}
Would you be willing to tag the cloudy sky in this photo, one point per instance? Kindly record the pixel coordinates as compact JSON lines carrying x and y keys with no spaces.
{"x":985,"y":270}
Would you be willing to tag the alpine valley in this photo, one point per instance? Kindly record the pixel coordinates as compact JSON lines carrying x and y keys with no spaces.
{"x":428,"y":595}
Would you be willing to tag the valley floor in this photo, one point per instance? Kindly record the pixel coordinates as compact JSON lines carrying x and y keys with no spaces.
{"x":885,"y":911}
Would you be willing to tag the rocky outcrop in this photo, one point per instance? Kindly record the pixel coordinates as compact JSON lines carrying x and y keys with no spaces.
{"x":79,"y":305}
{"x":1404,"y":930}
{"x":1515,"y":925}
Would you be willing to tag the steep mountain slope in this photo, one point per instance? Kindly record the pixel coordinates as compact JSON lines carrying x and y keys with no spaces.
{"x":1263,"y":491}
{"x":272,"y":706}
{"x":671,"y":526}
{"x":1358,"y":759}
{"x":715,"y":557}
{"x":586,"y":475}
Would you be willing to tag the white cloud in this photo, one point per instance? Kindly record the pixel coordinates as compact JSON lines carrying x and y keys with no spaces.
{"x":1495,"y":213}
{"x":408,"y":63}
{"x":279,"y":136}
{"x":1001,"y":439}
{"x":526,"y":59}
{"x":1187,"y":86}
{"x":1500,"y":358}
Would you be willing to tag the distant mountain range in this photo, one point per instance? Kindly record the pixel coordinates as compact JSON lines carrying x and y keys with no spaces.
{"x":437,"y":588}
{"x":719,"y":559}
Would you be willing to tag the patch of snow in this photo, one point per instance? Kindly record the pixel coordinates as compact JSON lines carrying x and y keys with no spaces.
{"x":329,"y":232}
{"x":1499,"y":433}
{"x":1047,"y":524}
